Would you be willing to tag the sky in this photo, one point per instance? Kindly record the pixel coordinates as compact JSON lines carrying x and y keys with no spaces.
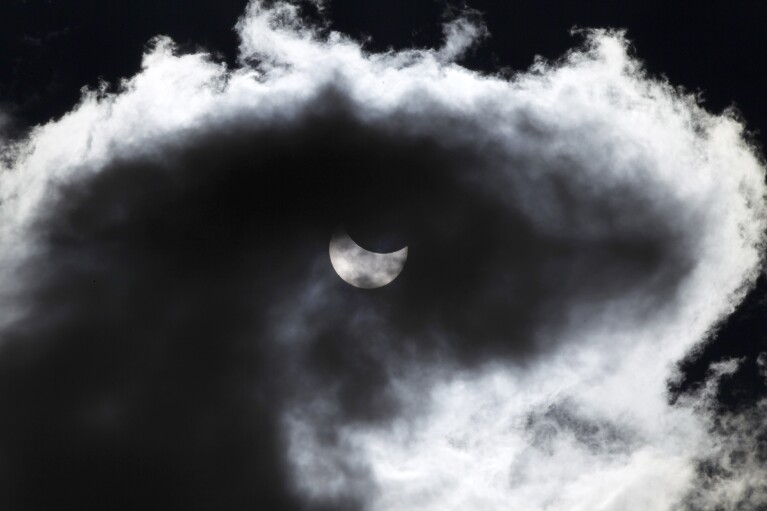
{"x":578,"y":323}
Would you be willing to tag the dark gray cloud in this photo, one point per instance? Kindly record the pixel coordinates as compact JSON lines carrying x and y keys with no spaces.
{"x":175,"y":335}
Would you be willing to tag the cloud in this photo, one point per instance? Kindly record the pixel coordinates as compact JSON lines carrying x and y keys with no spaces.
{"x":461,"y":34}
{"x":174,"y":334}
{"x":731,"y":474}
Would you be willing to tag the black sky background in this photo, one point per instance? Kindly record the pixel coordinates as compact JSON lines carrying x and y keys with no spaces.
{"x":50,"y":49}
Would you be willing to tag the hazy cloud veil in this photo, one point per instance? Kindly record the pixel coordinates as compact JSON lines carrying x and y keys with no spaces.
{"x":173,"y":332}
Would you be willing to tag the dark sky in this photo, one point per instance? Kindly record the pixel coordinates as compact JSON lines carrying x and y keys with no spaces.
{"x":50,"y":49}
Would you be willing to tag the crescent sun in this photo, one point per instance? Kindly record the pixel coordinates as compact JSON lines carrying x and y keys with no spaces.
{"x":362,"y":268}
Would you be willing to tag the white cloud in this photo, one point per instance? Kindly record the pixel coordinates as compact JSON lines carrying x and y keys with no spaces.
{"x":586,"y":427}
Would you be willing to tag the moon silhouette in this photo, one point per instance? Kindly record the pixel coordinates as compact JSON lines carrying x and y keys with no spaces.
{"x":362,"y":268}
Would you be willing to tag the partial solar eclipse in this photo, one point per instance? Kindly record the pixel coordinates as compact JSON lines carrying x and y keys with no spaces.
{"x":362,"y":268}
